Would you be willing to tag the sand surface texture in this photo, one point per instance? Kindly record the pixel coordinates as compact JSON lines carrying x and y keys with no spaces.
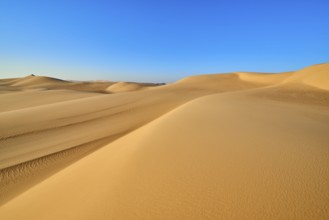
{"x":220,"y":146}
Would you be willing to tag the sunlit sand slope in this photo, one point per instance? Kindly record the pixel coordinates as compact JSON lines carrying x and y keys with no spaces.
{"x":195,"y":162}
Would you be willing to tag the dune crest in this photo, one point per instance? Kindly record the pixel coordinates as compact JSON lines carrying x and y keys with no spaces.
{"x":214,"y":83}
{"x":316,"y":76}
{"x":264,"y":78}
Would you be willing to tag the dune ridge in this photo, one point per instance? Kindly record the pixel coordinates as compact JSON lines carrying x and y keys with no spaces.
{"x":264,"y":78}
{"x":218,"y":146}
{"x":128,"y":87}
{"x":316,"y":76}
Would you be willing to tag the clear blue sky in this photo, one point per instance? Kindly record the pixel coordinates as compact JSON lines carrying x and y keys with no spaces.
{"x":164,"y":40}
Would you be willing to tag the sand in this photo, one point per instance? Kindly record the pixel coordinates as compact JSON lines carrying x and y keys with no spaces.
{"x":220,"y":146}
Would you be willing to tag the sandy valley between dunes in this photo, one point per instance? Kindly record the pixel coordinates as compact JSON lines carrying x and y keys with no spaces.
{"x":221,"y":146}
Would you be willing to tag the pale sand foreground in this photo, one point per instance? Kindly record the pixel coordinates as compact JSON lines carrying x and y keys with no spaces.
{"x":233,"y":146}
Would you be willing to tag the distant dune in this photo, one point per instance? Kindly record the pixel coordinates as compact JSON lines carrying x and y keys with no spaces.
{"x":49,"y":83}
{"x":37,"y":81}
{"x":128,"y":87}
{"x":218,"y":146}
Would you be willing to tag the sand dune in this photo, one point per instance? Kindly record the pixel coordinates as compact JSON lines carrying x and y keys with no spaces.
{"x":125,"y":87}
{"x":49,"y":83}
{"x":34,"y":81}
{"x":264,"y":78}
{"x":214,"y":83}
{"x":219,"y":146}
{"x":316,"y":76}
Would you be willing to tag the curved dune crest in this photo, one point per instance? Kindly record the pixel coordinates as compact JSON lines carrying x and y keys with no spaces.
{"x":264,"y":78}
{"x":214,"y":82}
{"x":316,"y":76}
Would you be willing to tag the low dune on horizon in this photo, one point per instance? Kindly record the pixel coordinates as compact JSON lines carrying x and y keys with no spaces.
{"x":218,"y":146}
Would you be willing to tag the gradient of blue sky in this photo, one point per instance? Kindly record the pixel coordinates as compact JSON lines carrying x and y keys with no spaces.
{"x":145,"y":40}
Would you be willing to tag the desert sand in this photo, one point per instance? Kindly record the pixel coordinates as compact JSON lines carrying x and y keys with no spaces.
{"x":218,"y":146}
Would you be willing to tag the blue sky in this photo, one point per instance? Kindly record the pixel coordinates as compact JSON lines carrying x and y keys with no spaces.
{"x":160,"y":41}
